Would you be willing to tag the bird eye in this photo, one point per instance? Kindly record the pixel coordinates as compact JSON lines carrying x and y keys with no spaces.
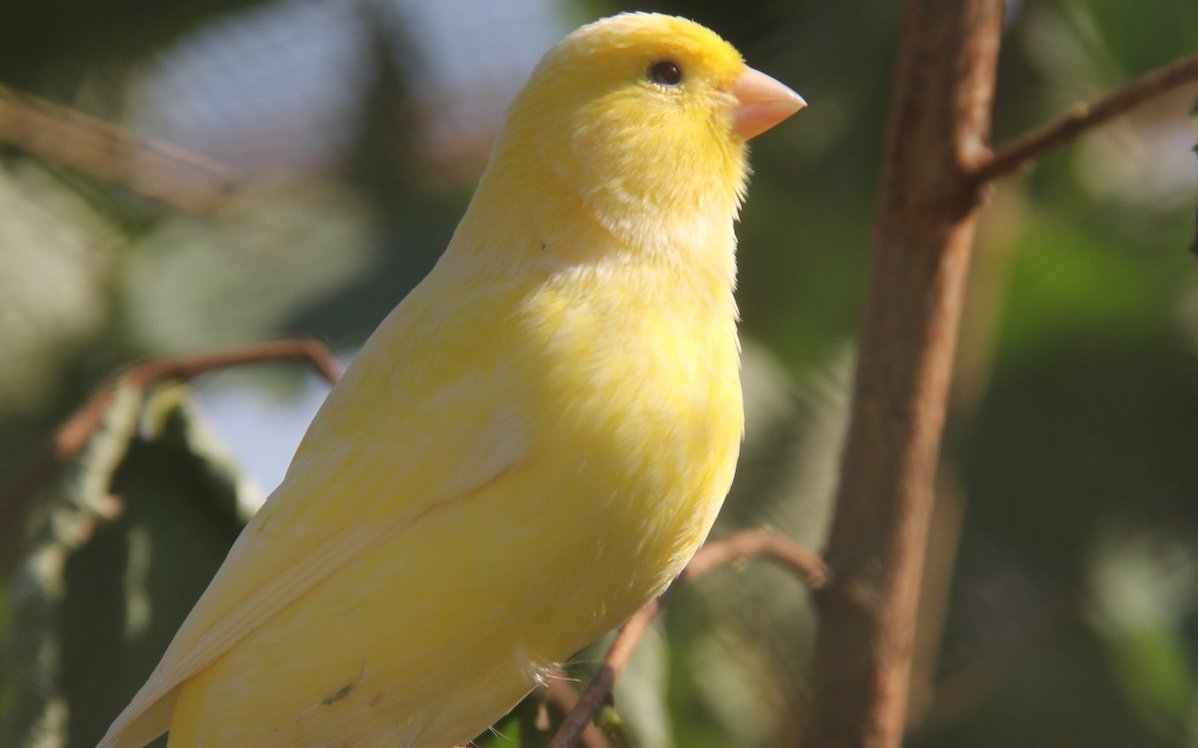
{"x":665,"y":72}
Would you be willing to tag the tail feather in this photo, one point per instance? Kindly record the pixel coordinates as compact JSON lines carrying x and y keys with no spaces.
{"x":139,"y":724}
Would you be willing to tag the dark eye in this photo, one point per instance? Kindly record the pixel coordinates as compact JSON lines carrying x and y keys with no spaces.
{"x":665,"y":72}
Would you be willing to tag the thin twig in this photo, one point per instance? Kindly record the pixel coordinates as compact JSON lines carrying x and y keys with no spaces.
{"x":750,"y":544}
{"x":151,"y":168}
{"x":740,"y":546}
{"x":564,"y":699}
{"x":70,"y":437}
{"x":1024,"y":149}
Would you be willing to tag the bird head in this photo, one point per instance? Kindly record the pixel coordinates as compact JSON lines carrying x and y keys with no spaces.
{"x":642,"y":118}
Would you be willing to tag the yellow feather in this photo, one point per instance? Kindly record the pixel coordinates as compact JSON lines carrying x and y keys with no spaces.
{"x":530,"y":446}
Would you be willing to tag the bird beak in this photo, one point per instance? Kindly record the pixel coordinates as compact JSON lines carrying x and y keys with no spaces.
{"x":762,"y":102}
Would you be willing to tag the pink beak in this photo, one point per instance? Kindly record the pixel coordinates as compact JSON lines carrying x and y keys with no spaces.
{"x":763,"y":103}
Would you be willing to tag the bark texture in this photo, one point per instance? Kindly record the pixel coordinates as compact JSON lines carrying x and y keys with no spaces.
{"x":937,"y":134}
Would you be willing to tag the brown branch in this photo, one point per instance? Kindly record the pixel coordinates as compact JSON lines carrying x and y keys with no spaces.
{"x":565,"y":699}
{"x":741,"y":546}
{"x":750,"y":544}
{"x":151,"y":168}
{"x":70,"y":437}
{"x":1024,"y":149}
{"x":939,"y":124}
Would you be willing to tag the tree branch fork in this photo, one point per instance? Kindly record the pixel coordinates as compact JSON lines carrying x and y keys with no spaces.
{"x":979,"y":166}
{"x":937,"y":173}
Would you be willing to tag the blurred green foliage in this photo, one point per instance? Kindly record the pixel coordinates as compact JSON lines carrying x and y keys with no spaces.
{"x":1071,"y":619}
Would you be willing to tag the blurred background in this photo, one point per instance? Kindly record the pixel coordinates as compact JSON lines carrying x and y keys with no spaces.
{"x":178,"y":177}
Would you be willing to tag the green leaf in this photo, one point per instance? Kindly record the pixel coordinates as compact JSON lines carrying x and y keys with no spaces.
{"x":129,"y":537}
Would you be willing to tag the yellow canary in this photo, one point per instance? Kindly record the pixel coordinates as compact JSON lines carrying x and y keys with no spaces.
{"x":530,"y":447}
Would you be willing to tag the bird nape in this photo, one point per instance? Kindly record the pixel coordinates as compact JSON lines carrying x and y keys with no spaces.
{"x":527,"y":449}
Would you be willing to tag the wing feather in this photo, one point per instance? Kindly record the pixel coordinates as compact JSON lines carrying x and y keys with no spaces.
{"x":391,"y":442}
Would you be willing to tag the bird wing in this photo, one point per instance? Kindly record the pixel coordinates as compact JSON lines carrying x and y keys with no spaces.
{"x":430,"y":412}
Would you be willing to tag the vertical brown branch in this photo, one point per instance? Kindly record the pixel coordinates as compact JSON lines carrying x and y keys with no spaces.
{"x":938,"y":128}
